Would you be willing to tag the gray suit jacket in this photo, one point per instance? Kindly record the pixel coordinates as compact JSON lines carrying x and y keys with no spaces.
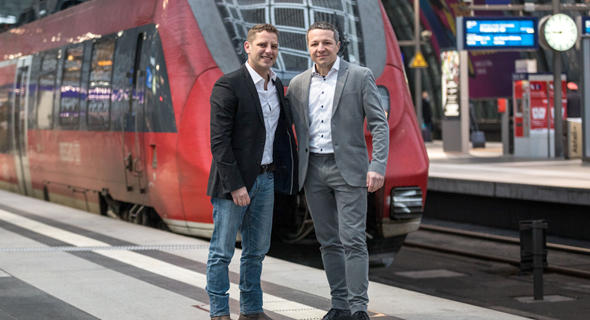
{"x":356,"y":97}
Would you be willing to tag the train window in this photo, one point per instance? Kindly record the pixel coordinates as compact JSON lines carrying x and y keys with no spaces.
{"x":69,"y":112}
{"x":159,"y":111}
{"x":99,"y":88}
{"x":46,"y":90}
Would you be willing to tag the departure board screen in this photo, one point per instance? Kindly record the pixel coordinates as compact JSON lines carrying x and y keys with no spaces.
{"x":497,"y":33}
{"x":586,"y":25}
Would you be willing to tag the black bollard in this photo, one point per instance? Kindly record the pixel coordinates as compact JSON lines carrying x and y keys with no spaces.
{"x":533,"y":252}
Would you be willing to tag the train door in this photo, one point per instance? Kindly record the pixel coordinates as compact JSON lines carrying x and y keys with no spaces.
{"x":19,"y":129}
{"x":134,"y":131}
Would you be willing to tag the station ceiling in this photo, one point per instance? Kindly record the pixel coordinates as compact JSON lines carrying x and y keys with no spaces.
{"x":14,"y":7}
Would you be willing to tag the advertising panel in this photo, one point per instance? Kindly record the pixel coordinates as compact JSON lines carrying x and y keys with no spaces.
{"x":450,"y":83}
{"x":538,"y":102}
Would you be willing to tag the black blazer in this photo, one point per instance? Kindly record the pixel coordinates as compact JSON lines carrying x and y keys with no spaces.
{"x":238,"y":135}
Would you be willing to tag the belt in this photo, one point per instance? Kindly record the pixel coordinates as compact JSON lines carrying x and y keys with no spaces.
{"x":267,"y":168}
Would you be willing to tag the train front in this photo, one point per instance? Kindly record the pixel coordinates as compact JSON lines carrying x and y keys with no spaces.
{"x":367,"y":39}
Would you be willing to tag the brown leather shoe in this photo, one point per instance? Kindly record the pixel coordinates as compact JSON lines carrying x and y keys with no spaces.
{"x":255,"y":316}
{"x":226,"y":317}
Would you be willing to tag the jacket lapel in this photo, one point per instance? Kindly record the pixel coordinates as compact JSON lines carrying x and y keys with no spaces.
{"x":253,"y":92}
{"x":305,"y":95}
{"x":342,"y":76}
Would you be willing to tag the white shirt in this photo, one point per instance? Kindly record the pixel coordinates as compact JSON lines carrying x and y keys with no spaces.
{"x":269,"y":101}
{"x":321,"y":101}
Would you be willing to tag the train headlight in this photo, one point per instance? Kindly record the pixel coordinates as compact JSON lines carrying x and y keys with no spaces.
{"x":385,"y":99}
{"x":406,"y":203}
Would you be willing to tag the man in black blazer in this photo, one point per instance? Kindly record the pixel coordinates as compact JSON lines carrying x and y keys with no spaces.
{"x":254,"y":155}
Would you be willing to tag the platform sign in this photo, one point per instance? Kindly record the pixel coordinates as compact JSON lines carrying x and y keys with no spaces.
{"x":418,"y":61}
{"x":497,"y":33}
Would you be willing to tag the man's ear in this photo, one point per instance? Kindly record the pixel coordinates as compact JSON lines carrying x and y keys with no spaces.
{"x":247,"y":47}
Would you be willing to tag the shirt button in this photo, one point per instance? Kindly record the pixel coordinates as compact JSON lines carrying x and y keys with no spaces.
{"x":321,"y":149}
{"x":322,"y":121}
{"x":322,"y":135}
{"x":322,"y":92}
{"x":322,"y":107}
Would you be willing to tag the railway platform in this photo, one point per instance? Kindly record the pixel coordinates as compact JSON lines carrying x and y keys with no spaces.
{"x":485,"y":172}
{"x":489,"y":189}
{"x":61,"y":263}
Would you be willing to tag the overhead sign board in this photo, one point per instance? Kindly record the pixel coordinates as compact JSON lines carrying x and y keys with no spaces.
{"x":7,"y":19}
{"x":497,"y":33}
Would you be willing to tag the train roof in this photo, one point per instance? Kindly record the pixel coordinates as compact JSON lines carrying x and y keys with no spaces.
{"x":91,"y":19}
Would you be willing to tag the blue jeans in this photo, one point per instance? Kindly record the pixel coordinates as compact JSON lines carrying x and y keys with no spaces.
{"x":255,"y":223}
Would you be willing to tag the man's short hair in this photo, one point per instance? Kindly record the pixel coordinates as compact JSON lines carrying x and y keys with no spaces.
{"x":324,"y":26}
{"x":259,"y":28}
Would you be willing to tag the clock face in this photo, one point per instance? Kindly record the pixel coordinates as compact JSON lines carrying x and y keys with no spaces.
{"x":561,"y":32}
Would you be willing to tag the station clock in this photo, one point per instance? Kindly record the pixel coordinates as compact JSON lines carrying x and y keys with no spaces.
{"x":559,"y":32}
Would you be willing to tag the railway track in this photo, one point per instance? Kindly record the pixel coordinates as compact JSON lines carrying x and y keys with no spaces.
{"x":504,"y":255}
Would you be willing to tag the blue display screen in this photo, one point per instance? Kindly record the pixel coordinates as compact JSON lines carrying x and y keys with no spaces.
{"x":499,"y":33}
{"x":585,"y":25}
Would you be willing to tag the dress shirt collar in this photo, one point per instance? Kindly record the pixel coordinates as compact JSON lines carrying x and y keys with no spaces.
{"x":335,"y":66}
{"x":256,"y":77}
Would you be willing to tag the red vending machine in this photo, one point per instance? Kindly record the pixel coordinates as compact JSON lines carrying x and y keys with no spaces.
{"x":534,"y":114}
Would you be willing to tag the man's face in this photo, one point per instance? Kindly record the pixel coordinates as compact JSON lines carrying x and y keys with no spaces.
{"x":322,"y":46}
{"x":262,"y":51}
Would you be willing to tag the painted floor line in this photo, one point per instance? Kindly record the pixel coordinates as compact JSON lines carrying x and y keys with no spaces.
{"x":276,"y":304}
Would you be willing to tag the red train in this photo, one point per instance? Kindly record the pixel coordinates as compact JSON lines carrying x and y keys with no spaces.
{"x":104,"y":106}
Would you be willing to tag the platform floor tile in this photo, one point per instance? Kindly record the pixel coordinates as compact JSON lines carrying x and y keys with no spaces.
{"x":69,"y":262}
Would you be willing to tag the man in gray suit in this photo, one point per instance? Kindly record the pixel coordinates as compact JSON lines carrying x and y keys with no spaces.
{"x":330,"y":103}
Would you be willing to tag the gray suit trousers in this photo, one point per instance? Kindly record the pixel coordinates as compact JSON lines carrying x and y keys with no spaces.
{"x":339,"y":212}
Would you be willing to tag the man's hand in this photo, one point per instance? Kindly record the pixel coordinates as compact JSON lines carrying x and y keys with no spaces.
{"x":241,"y":197}
{"x":374,"y":181}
